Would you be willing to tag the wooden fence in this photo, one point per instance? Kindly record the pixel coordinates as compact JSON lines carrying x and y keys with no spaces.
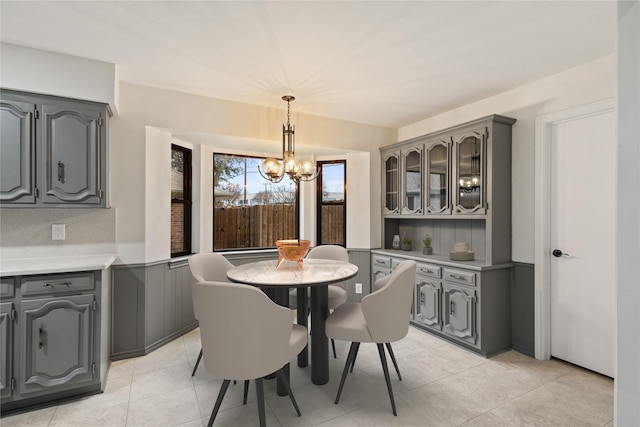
{"x":259,"y":226}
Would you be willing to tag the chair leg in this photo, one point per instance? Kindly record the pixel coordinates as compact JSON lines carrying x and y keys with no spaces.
{"x":216,"y":407}
{"x":353,"y":363}
{"x":246,"y":392}
{"x":393,"y":359}
{"x":385,"y":368}
{"x":352,"y":354}
{"x":260,"y":393}
{"x":333,"y":346}
{"x":283,"y":378}
{"x":195,"y":368}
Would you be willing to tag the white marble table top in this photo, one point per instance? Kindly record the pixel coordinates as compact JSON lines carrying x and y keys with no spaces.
{"x":315,"y":272}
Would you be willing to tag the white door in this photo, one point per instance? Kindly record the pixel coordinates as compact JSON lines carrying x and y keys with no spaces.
{"x":582,"y":225}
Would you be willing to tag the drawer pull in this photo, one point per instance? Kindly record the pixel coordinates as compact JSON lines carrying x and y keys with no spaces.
{"x":40,"y":337}
{"x":457,"y":277}
{"x":426,"y":271}
{"x":380,"y":262}
{"x":53,"y":285}
{"x":60,"y":172}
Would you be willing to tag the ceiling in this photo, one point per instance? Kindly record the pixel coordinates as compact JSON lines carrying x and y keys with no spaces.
{"x":386,"y":63}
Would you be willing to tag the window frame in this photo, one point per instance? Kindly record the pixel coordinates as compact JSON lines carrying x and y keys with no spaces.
{"x":320,"y":203}
{"x":296,"y":210}
{"x":186,"y":201}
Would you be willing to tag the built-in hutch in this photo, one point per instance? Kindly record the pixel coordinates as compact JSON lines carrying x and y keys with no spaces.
{"x":454,"y":185}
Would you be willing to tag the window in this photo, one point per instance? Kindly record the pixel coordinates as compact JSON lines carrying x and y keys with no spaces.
{"x":331,"y":192}
{"x":249,"y":212}
{"x":180,"y":201}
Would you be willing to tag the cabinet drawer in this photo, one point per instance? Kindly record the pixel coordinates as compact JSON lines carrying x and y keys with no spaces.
{"x":380,"y":261}
{"x":428,"y":270}
{"x":6,"y":287}
{"x":460,"y":276}
{"x":57,"y":283}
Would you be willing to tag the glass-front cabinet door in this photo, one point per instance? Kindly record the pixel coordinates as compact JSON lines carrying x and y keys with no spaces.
{"x":470,"y":173}
{"x":438,"y":177}
{"x":390,"y":162}
{"x":412,"y":174}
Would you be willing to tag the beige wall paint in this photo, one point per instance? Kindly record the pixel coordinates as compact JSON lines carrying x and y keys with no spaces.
{"x":141,"y":135}
{"x":594,"y":81}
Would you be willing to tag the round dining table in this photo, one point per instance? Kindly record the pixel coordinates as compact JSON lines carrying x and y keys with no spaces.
{"x":315,"y":274}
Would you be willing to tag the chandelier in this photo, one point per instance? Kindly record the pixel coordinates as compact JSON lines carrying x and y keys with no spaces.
{"x":471,"y":183}
{"x":273,"y":170}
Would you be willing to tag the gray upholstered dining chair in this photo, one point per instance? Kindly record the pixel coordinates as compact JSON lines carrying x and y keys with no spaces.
{"x":245,"y":336}
{"x":382,"y":317}
{"x":208,"y":266}
{"x":337,"y":292}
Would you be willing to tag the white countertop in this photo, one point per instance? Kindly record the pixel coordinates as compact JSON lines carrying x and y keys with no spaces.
{"x":14,"y":267}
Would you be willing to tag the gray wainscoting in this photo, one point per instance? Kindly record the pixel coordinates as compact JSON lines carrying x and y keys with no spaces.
{"x":152,"y":303}
{"x":361,"y":258}
{"x":522,"y":308}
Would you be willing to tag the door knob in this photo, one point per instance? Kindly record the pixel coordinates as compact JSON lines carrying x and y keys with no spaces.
{"x":558,"y":253}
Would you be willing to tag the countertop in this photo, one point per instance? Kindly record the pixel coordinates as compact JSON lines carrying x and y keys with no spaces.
{"x":477,"y":264}
{"x":24,"y":266}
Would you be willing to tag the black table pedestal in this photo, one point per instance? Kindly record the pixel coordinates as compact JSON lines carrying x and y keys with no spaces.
{"x":319,"y":341}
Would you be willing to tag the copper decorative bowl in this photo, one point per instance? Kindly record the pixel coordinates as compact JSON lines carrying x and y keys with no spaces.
{"x":292,"y":250}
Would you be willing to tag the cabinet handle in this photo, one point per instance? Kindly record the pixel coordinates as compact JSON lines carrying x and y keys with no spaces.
{"x":60,"y":172}
{"x":421,"y":297}
{"x":53,"y":285}
{"x":452,"y":308}
{"x":40,"y":337}
{"x":455,"y":276}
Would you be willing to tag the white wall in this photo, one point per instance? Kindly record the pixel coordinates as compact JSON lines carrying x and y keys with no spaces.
{"x":581,"y":85}
{"x":49,"y":73}
{"x":627,"y":384}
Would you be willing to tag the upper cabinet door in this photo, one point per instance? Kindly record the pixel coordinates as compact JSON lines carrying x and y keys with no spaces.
{"x":390,"y":167}
{"x":71,"y":155}
{"x":17,"y":152}
{"x":470,"y":154}
{"x":438,"y":177}
{"x":412,"y":176}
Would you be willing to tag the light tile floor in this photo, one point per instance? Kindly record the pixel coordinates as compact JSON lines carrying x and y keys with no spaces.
{"x":442,"y":385}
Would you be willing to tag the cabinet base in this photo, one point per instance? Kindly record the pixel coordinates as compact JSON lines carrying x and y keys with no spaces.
{"x":53,"y":399}
{"x":447,"y":338}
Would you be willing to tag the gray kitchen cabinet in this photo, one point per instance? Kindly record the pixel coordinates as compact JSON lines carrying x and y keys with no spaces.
{"x":470,"y":194}
{"x":55,"y":150}
{"x":380,"y":267}
{"x":17,"y":151}
{"x":49,"y":337}
{"x":391,"y":182}
{"x":412,"y":179}
{"x":465,"y":303}
{"x":57,"y":343}
{"x":7,"y":315}
{"x":438,"y":176}
{"x":428,"y":306}
{"x":459,"y":313}
{"x":428,"y":296}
